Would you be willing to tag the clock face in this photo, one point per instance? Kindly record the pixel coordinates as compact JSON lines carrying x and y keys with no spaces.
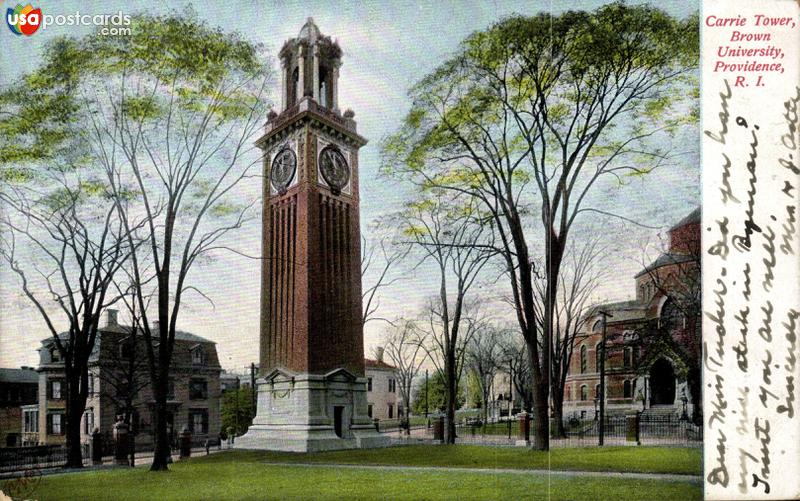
{"x":334,"y":168}
{"x":283,"y":168}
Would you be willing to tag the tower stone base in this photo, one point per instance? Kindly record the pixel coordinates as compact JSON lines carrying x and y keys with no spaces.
{"x":309,"y":413}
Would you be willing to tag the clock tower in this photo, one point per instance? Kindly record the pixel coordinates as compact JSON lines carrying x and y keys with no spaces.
{"x":311,"y":389}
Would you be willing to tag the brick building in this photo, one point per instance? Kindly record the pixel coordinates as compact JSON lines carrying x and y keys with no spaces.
{"x":653,"y":341}
{"x":118,"y":375}
{"x":18,"y":388}
{"x":383,"y":400}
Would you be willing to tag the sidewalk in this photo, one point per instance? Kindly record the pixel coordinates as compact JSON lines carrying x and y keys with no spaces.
{"x":495,"y":471}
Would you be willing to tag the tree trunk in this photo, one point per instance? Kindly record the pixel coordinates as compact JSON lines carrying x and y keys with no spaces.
{"x":541,"y":428}
{"x":76,"y":404}
{"x":558,"y":413}
{"x":162,"y":450}
{"x":450,"y":373}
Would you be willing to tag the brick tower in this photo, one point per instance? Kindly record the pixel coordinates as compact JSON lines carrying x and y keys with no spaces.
{"x":311,"y":390}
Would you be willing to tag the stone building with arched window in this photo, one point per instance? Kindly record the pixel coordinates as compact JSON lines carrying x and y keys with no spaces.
{"x":652,"y":342}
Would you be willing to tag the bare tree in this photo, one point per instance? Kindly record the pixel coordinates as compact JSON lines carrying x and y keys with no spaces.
{"x":451,"y":235}
{"x":389,"y":256}
{"x":404,"y":349}
{"x":66,"y":243}
{"x":123,"y":371}
{"x":580,"y":275}
{"x":485,"y":356}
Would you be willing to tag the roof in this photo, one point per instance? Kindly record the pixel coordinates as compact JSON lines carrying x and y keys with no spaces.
{"x":309,"y":31}
{"x":622,"y":311}
{"x":126,"y":329}
{"x":693,"y":217}
{"x":666,"y":259}
{"x":377,"y":364}
{"x":19,"y":376}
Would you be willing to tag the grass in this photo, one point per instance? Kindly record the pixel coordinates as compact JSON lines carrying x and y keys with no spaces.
{"x":619,"y":459}
{"x":243,"y":475}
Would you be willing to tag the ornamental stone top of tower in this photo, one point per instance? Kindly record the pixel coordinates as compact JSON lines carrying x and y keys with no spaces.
{"x":310,"y":69}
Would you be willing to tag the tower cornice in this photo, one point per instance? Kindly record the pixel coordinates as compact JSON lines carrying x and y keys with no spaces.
{"x":308,"y":111}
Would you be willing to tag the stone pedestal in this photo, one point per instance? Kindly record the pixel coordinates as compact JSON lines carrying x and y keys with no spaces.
{"x":308,"y":413}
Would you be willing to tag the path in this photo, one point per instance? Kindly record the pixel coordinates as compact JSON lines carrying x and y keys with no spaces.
{"x":495,"y":471}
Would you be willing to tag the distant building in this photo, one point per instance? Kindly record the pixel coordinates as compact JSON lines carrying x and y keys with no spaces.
{"x":229,"y":381}
{"x":193,"y":395}
{"x":383,"y":401}
{"x":18,"y":388}
{"x":644,"y":371}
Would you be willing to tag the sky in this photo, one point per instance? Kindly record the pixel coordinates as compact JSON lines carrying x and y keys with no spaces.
{"x":387,"y":47}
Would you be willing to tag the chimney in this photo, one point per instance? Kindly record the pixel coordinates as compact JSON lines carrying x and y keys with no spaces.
{"x":111,"y":317}
{"x":379,"y":353}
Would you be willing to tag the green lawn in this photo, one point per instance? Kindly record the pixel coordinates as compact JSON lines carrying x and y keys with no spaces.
{"x":247,"y":475}
{"x":622,"y":459}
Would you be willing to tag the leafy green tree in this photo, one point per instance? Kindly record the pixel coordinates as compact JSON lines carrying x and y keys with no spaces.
{"x":237,"y":411}
{"x":437,"y":395}
{"x":169,"y":115}
{"x":531,"y":117}
{"x":60,"y":234}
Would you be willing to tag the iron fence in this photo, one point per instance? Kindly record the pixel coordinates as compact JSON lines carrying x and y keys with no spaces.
{"x":641,"y":429}
{"x":35,"y":457}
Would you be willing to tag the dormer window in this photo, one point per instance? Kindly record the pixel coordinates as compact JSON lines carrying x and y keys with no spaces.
{"x":198,"y":355}
{"x":55,"y":355}
{"x":126,"y":350}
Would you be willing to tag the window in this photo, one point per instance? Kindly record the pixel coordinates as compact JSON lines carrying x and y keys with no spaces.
{"x":635,"y":356}
{"x":392,"y":385}
{"x":583,"y":358}
{"x":55,"y":389}
{"x":31,"y":421}
{"x":627,"y":356}
{"x":90,"y":385}
{"x":391,"y":411}
{"x":198,"y":389}
{"x":369,"y":384}
{"x":597,"y":326}
{"x":583,"y":414}
{"x":597,"y":391}
{"x":55,"y":424}
{"x":198,"y":421}
{"x":584,"y":393}
{"x":399,"y":410}
{"x":568,"y":393}
{"x":627,"y":390}
{"x":55,"y":355}
{"x":198,"y":356}
{"x":598,"y":357}
{"x":88,"y":421}
{"x":171,"y":388}
{"x":369,"y":410}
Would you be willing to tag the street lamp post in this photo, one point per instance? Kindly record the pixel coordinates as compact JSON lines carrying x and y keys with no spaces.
{"x":601,"y":427}
{"x":684,"y":400}
{"x":510,"y":394}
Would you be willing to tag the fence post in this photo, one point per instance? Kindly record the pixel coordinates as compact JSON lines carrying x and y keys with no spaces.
{"x":121,"y":443}
{"x":524,"y":437}
{"x":97,"y":447}
{"x":186,"y":443}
